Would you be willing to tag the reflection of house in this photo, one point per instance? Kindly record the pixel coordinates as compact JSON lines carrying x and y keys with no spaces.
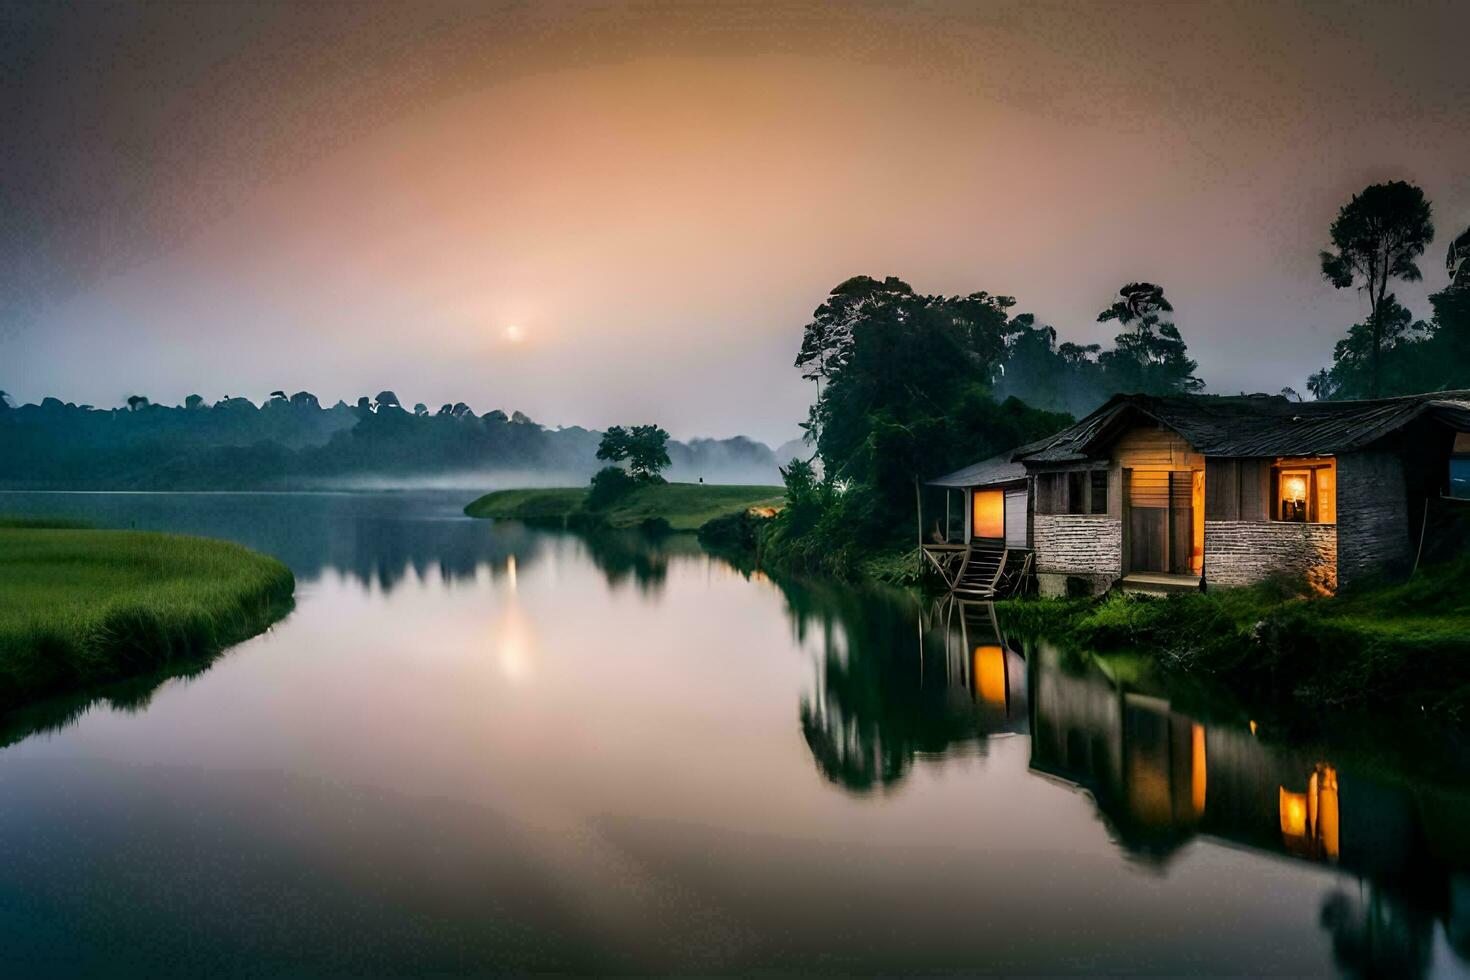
{"x":1161,"y":777}
{"x":1191,"y":489}
{"x":981,"y":671}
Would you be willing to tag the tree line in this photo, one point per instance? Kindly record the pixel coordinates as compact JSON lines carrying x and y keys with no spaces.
{"x":293,"y":441}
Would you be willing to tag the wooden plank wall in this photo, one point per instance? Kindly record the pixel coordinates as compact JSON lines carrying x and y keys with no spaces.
{"x":1237,"y":489}
{"x":1155,"y":448}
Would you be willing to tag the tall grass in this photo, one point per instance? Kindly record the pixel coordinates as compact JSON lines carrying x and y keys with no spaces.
{"x":81,"y":607}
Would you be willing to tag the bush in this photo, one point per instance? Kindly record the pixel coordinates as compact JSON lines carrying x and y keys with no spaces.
{"x":609,"y":485}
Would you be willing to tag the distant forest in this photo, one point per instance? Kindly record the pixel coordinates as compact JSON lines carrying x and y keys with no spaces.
{"x":293,"y":442}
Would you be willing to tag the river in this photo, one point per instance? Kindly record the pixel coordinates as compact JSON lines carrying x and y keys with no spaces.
{"x":475,"y":747}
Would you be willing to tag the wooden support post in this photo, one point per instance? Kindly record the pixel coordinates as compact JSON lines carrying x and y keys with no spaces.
{"x":919,"y":512}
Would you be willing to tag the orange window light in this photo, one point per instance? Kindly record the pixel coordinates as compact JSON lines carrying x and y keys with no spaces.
{"x":990,"y":514}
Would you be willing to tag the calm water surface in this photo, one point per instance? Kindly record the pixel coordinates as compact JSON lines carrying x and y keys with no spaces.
{"x":476,"y":747}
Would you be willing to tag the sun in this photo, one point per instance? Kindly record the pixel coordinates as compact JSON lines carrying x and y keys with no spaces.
{"x":515,"y":333}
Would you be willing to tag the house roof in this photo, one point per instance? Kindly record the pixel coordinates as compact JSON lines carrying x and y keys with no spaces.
{"x":1252,"y":425}
{"x":990,"y":472}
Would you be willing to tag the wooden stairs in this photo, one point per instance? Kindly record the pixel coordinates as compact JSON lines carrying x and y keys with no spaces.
{"x":978,"y":578}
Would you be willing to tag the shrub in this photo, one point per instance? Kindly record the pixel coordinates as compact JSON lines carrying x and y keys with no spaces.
{"x":609,"y":485}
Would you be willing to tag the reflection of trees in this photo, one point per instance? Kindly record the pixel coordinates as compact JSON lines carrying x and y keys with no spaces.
{"x":1386,"y":932}
{"x":371,"y":538}
{"x":879,"y":698}
{"x":633,"y":555}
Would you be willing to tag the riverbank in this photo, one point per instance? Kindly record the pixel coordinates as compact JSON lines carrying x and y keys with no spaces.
{"x":80,"y":607}
{"x":663,"y":506}
{"x":1403,"y":646}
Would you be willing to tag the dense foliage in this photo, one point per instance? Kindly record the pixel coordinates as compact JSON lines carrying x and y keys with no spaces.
{"x":915,"y":385}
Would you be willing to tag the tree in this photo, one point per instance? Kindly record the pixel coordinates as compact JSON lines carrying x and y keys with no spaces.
{"x":136,"y":403}
{"x":1150,"y":356}
{"x":644,"y":447}
{"x":194,"y":402}
{"x":4,"y":400}
{"x":421,"y":410}
{"x":1401,"y":346}
{"x":1377,"y":236}
{"x":386,"y":399}
{"x":1457,"y":261}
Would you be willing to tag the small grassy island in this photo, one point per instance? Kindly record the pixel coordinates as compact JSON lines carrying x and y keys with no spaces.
{"x":678,"y":506}
{"x":80,"y":606}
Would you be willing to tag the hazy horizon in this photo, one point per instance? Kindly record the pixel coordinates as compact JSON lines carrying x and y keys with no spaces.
{"x":624,"y":213}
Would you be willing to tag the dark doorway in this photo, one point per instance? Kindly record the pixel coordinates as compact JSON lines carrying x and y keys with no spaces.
{"x":1160,"y":520}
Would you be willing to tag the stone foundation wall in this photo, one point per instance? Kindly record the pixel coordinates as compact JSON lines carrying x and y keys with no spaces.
{"x":1245,"y":552}
{"x":1078,"y":544}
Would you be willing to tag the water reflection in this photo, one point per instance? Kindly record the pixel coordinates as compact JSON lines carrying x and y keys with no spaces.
{"x":876,"y":706}
{"x":379,"y":540}
{"x":489,"y":697}
{"x":1160,"y":777}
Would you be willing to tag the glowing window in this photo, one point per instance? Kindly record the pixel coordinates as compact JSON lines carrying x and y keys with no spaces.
{"x":1305,"y":491}
{"x":1294,"y":487}
{"x":990,"y":514}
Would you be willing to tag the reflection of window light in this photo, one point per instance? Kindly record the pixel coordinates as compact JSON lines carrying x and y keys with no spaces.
{"x":1311,"y":821}
{"x":1294,"y":489}
{"x":990,"y":675}
{"x":1293,"y":813}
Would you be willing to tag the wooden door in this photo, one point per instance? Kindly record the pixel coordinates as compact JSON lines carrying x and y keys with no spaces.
{"x":1181,"y":521}
{"x":1148,"y":520}
{"x":1160,"y":520}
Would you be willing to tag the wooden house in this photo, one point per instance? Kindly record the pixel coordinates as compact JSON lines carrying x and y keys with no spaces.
{"x":1185,"y":491}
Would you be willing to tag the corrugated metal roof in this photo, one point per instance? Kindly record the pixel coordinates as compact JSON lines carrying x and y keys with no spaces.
{"x":1254,"y":425}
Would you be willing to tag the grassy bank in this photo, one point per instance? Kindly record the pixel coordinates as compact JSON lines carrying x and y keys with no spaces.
{"x":678,"y":506}
{"x":756,"y":541}
{"x":80,"y":607}
{"x":1402,"y":644}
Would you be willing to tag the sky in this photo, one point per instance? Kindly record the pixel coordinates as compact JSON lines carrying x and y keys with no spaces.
{"x":624,"y":212}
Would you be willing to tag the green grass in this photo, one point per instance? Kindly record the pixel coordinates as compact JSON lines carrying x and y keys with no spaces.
{"x":1406,"y":643}
{"x":83,"y":607}
{"x":684,"y":506}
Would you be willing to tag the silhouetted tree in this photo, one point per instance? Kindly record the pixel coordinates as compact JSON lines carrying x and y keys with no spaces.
{"x":1377,"y":236}
{"x":194,"y":402}
{"x":1457,"y":261}
{"x":136,"y":403}
{"x":421,"y":410}
{"x":1151,"y":355}
{"x":386,"y":399}
{"x":644,"y":447}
